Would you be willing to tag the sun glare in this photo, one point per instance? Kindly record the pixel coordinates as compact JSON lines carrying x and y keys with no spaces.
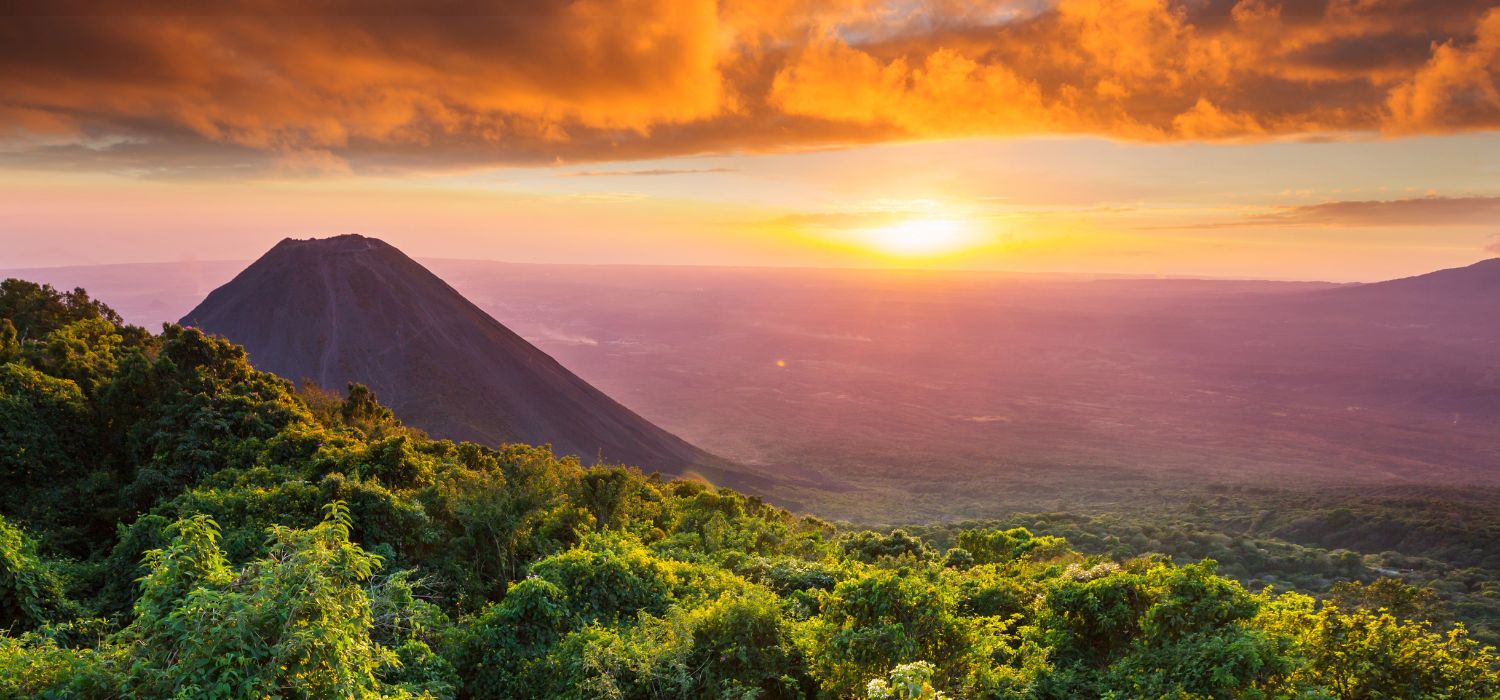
{"x":917,"y":238}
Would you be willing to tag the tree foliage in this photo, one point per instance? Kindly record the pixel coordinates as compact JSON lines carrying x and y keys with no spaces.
{"x":178,"y":524}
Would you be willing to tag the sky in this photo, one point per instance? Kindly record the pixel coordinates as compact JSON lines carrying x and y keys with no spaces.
{"x":1294,"y":139}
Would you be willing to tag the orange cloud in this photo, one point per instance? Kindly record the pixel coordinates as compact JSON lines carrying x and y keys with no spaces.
{"x":281,"y":76}
{"x":158,"y":88}
{"x":1456,"y":89}
{"x":1207,"y":121}
{"x":948,"y":92}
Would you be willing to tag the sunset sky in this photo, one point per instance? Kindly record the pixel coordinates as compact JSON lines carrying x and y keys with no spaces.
{"x":1316,"y":139}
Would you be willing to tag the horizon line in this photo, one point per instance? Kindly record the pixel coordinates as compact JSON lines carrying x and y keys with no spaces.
{"x":1093,"y":276}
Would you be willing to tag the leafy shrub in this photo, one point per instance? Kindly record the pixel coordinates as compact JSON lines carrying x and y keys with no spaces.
{"x":869,"y":546}
{"x":296,"y":623}
{"x":31,"y":592}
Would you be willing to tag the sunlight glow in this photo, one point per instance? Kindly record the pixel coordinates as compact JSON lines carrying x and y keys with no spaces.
{"x":921,"y":237}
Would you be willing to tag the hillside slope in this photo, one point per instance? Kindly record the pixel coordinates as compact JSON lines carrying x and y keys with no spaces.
{"x":1451,"y":294}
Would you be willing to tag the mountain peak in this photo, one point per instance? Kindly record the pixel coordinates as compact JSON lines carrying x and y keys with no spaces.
{"x":343,"y":243}
{"x":355,"y":309}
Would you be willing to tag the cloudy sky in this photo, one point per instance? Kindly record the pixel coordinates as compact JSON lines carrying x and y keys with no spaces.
{"x":1328,"y":139}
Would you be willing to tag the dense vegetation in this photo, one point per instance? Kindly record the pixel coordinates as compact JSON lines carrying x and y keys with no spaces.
{"x":177,"y":524}
{"x":1445,"y":541}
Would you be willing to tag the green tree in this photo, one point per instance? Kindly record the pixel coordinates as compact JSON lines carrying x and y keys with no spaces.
{"x":911,"y":681}
{"x":31,"y":592}
{"x":882,"y":619}
{"x":88,"y":352}
{"x":10,"y":342}
{"x":1363,"y":653}
{"x":1155,"y":630}
{"x":1000,"y":546}
{"x":870,"y":546}
{"x":294,"y":624}
{"x":36,"y":310}
{"x":1403,"y":600}
{"x":502,"y":653}
{"x":52,"y":482}
{"x":609,"y":576}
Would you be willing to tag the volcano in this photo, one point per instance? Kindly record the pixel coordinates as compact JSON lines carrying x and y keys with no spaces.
{"x":355,"y":309}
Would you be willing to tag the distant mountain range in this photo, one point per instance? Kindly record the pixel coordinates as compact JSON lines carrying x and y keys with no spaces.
{"x":356,"y":309}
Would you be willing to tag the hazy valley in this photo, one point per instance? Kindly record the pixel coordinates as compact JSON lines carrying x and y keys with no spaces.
{"x":975,"y":394}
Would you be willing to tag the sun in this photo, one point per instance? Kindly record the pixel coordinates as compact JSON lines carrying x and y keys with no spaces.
{"x":921,"y":238}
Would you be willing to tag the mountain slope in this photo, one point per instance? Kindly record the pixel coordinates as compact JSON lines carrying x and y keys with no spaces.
{"x":1458,"y":291}
{"x":352,"y":308}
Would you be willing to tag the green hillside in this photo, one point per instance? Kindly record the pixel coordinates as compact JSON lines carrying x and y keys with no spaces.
{"x":177,"y":524}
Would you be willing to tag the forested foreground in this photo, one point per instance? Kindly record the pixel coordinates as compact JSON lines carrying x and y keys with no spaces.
{"x":177,"y":524}
{"x":1338,"y":543}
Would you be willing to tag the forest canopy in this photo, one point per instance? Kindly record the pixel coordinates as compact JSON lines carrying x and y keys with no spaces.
{"x":178,"y":524}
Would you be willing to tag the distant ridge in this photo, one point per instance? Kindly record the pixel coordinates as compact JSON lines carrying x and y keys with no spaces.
{"x":353,"y":308}
{"x":1481,"y":277}
{"x":1455,"y":292}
